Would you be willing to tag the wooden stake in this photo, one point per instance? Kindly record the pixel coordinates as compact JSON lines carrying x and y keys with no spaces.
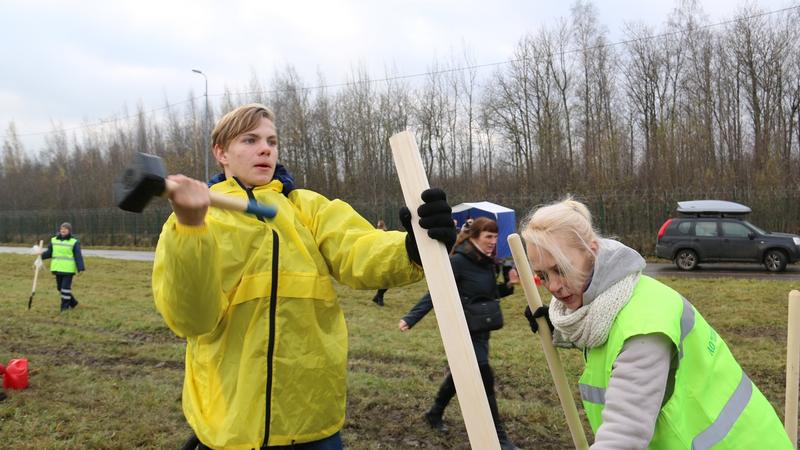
{"x":550,"y":353}
{"x":792,"y":363}
{"x":446,"y":301}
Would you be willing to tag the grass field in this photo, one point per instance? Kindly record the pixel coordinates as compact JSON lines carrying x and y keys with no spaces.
{"x":109,"y":373}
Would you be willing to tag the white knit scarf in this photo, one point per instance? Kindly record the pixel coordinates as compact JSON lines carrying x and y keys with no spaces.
{"x":588,"y":326}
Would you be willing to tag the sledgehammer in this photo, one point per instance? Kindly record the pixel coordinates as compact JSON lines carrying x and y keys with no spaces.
{"x":147,"y":178}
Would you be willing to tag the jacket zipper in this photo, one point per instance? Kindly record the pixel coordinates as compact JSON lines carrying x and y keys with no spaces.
{"x":273,"y":305}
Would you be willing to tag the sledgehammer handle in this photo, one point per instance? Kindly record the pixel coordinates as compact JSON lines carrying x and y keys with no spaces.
{"x":553,"y":361}
{"x":234,"y":203}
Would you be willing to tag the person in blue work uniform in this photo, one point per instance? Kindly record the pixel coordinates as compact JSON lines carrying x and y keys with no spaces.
{"x":266,"y":340}
{"x":65,"y":251}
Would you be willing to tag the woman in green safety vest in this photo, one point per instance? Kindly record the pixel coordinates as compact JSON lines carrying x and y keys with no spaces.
{"x":657,"y":375}
{"x":65,"y":251}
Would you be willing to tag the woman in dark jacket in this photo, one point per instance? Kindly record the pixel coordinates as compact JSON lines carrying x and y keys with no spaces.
{"x":475,"y":271}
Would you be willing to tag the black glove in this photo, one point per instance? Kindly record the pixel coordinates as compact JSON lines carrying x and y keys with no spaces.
{"x":435,"y":215}
{"x":541,"y":311}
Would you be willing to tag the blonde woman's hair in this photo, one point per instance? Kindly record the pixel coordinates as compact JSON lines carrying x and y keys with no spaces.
{"x":568,"y":222}
{"x":239,"y":121}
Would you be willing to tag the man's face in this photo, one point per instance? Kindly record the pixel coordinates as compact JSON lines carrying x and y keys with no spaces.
{"x":63,"y":231}
{"x":251,"y":157}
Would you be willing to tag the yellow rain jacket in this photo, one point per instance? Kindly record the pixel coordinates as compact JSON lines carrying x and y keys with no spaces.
{"x":266,"y":351}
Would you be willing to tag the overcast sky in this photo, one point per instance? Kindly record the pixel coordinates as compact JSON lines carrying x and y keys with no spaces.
{"x":73,"y":62}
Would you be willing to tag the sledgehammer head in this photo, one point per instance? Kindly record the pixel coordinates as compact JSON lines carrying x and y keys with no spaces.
{"x":140,"y":182}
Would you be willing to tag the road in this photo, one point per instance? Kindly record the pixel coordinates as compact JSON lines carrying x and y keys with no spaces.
{"x":129,"y":255}
{"x":730,"y":270}
{"x":653,"y":269}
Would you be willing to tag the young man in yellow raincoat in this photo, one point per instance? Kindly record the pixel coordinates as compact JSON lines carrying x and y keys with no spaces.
{"x":266,"y":353}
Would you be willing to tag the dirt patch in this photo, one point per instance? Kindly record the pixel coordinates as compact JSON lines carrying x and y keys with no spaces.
{"x":768,"y":380}
{"x":158,"y":335}
{"x":161,"y":335}
{"x":64,"y":356}
{"x":772,"y":332}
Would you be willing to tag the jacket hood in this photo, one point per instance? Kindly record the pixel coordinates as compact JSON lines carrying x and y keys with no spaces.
{"x":614,"y":262}
{"x":281,"y":174}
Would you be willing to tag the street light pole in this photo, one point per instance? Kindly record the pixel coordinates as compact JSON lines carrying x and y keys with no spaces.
{"x":205,"y":125}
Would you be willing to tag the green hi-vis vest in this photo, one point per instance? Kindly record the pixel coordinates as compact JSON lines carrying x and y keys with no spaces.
{"x":713,"y":404}
{"x":63,"y":257}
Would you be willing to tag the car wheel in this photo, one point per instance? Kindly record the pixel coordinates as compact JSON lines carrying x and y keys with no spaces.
{"x":775,"y":261}
{"x":686,"y":259}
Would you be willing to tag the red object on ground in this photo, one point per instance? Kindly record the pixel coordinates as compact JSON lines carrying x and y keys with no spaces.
{"x":16,"y":374}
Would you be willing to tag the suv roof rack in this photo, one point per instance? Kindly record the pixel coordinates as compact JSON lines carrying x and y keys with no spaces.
{"x":712,"y":208}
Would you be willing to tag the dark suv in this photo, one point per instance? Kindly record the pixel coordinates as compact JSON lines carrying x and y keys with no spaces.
{"x":716,"y":232}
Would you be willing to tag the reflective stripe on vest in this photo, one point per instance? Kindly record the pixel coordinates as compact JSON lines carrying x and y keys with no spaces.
{"x":592,"y":394}
{"x":713,"y":403}
{"x":730,"y":413}
{"x":687,"y":324}
{"x":63,"y":256}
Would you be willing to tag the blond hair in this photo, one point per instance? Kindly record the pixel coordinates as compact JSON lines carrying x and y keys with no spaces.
{"x":567,"y":222}
{"x":239,"y":121}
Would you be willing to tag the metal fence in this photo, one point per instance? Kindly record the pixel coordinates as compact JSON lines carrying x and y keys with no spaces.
{"x":98,"y":227}
{"x":633,"y":218}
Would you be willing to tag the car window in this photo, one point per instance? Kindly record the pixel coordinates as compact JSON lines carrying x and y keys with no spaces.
{"x":732,"y":229}
{"x":705,"y":229}
{"x":683,"y":227}
{"x":759,"y":230}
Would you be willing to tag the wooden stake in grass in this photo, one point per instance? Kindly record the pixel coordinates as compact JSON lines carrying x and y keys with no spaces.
{"x":446,"y":301}
{"x":792,"y":366}
{"x":553,"y":361}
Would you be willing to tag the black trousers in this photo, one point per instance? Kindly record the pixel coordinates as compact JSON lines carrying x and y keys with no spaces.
{"x":64,"y":286}
{"x":447,"y":391}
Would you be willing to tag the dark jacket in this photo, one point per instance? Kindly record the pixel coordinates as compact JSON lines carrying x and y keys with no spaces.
{"x":475,"y":274}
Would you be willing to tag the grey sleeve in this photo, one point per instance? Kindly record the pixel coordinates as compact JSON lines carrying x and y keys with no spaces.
{"x":635,"y":393}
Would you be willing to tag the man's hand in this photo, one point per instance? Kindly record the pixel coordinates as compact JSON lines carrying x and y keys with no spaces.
{"x":189,"y":199}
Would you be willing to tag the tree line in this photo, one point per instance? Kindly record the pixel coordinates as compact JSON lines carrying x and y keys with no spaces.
{"x":689,"y":109}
